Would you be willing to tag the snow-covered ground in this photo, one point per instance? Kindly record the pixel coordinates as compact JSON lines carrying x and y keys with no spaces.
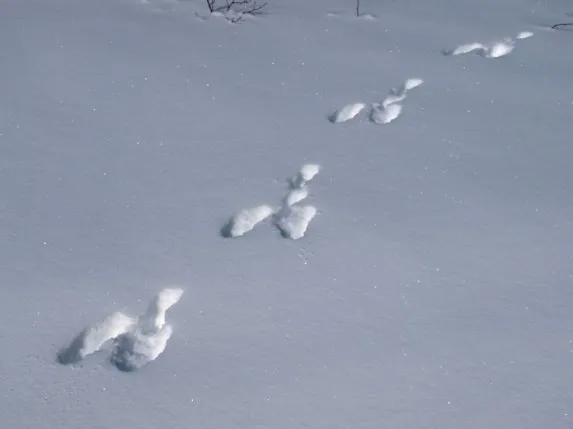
{"x":432,"y":287}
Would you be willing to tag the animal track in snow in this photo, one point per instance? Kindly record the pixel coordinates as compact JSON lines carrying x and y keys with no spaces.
{"x":493,"y":50}
{"x":305,"y":175}
{"x":291,"y":219}
{"x":385,"y":115}
{"x":348,"y":112}
{"x":135,"y":341}
{"x":246,"y":220}
{"x":295,"y":196}
{"x":380,"y":113}
{"x":524,"y":35}
{"x":94,"y":337}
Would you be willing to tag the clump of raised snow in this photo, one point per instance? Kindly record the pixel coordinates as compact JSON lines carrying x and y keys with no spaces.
{"x":499,"y":49}
{"x":467,"y":48}
{"x":385,"y":115}
{"x":524,"y":35}
{"x":391,"y":99}
{"x":391,"y":107}
{"x":154,"y":318}
{"x":137,"y":341}
{"x":294,"y":222}
{"x":308,"y":171}
{"x":367,"y":17}
{"x":148,"y":340}
{"x":412,"y":83}
{"x":133,"y":350}
{"x":296,"y":195}
{"x":93,"y":338}
{"x":305,"y":175}
{"x":494,"y":50}
{"x":246,"y":220}
{"x":289,"y":218}
{"x":348,"y":112}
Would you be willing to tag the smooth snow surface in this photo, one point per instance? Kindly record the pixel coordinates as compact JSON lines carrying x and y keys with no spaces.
{"x":422,"y":279}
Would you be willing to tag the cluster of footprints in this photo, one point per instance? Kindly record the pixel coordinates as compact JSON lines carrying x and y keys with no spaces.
{"x":290,"y":217}
{"x":382,"y":112}
{"x":490,"y":50}
{"x":135,"y":341}
{"x":391,"y":107}
{"x":132,"y":341}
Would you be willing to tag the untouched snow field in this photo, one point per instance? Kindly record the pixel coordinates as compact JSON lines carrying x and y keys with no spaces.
{"x":423,"y":279}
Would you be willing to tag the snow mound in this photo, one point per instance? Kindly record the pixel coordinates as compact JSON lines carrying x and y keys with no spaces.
{"x":308,"y":171}
{"x":296,"y":195}
{"x":305,"y":175}
{"x":412,"y":83}
{"x":133,"y":350}
{"x":93,"y":338}
{"x":293,"y":222}
{"x":524,"y":35}
{"x":385,"y":115}
{"x":246,"y":220}
{"x":348,"y":112}
{"x":392,"y":99}
{"x":154,"y":318}
{"x":466,"y":49}
{"x":499,"y":49}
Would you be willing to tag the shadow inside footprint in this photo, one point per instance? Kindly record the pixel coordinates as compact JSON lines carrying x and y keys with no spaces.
{"x":225,"y":231}
{"x":332,"y":118}
{"x":71,"y":354}
{"x":123,"y":356}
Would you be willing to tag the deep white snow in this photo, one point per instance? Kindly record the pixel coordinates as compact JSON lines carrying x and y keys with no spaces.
{"x":433,"y":289}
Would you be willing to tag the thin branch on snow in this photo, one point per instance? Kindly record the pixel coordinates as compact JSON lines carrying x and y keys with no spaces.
{"x":556,"y":26}
{"x":241,"y":7}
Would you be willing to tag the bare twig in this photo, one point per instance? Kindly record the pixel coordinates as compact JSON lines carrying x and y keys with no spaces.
{"x":357,"y":7}
{"x":232,"y":3}
{"x":241,"y":7}
{"x":256,"y":8}
{"x":556,"y":26}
